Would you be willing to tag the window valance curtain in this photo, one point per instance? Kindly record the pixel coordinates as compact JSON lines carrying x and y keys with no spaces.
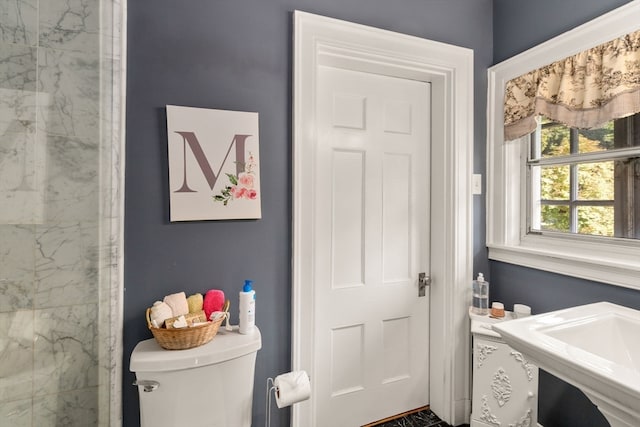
{"x":584,"y":90}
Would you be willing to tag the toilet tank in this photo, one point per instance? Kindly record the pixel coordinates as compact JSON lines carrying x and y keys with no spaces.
{"x":210,"y":385}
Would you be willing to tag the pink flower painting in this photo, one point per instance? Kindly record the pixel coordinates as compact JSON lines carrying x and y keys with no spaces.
{"x":240,"y":186}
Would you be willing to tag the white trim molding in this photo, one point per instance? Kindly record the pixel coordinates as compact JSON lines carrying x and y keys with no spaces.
{"x":325,"y":41}
{"x":112,"y":87}
{"x":607,"y":260}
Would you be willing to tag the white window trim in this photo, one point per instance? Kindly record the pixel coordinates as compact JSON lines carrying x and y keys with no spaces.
{"x":613,"y":261}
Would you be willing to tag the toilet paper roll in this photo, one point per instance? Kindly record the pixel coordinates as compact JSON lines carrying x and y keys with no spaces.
{"x":291,"y":388}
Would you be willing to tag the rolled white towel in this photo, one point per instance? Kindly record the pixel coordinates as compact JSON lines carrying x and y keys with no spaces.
{"x":160,"y":312}
{"x":178,"y":303}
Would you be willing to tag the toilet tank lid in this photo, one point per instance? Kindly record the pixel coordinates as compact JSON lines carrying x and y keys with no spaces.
{"x":148,"y":356}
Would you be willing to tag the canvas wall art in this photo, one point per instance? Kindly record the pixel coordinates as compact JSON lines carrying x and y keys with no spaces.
{"x":214,"y":164}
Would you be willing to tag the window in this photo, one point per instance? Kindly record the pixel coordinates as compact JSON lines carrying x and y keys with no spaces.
{"x":545,"y":208}
{"x":585,"y":182}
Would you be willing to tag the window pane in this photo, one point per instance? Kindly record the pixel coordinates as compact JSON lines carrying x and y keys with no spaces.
{"x":597,"y":139}
{"x":579,"y":184}
{"x":596,"y":181}
{"x":554,"y":139}
{"x":595,"y":220}
{"x":554,"y":218}
{"x":554,"y":183}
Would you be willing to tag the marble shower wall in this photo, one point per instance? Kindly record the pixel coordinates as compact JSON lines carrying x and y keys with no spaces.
{"x":56,"y":358}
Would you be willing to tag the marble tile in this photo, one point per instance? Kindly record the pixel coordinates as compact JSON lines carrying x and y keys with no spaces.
{"x":17,"y":111}
{"x":72,"y":180}
{"x":66,"y":265}
{"x":18,"y":67}
{"x":65,"y":349}
{"x":424,"y":418}
{"x":17,"y":157}
{"x":70,"y":24}
{"x":72,"y":82}
{"x":16,"y":355}
{"x":17,"y":413}
{"x":21,"y":179}
{"x":15,"y":295}
{"x":17,"y":285}
{"x":75,"y":408}
{"x":16,"y":148}
{"x":19,"y":22}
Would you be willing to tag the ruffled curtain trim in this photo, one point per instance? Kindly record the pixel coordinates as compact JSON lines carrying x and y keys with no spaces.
{"x":583,"y":91}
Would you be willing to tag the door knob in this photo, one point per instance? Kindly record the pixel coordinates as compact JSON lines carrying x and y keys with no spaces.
{"x":423,"y":282}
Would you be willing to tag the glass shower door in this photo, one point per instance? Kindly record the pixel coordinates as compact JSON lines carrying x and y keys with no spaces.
{"x":60,"y":212}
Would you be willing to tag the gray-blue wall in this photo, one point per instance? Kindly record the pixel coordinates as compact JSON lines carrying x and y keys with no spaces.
{"x":522,"y":24}
{"x":236,"y":55}
{"x":518,"y":26}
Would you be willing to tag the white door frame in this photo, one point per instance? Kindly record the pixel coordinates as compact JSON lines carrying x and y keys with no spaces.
{"x":325,"y":41}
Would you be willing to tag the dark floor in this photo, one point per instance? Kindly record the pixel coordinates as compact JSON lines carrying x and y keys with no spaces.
{"x":419,"y":419}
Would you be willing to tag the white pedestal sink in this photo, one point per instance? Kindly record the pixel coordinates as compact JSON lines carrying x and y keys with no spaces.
{"x":595,"y":347}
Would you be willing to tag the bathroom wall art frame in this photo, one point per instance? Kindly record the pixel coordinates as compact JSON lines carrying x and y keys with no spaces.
{"x":213,"y":164}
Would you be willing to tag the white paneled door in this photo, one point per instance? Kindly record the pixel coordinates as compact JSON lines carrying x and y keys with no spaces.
{"x":371,"y":241}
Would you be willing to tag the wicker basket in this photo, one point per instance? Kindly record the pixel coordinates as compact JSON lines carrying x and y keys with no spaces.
{"x":184,"y":338}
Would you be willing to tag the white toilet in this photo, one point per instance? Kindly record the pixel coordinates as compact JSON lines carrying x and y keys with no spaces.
{"x":210,"y":385}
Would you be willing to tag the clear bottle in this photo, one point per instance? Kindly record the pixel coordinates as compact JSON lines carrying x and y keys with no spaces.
{"x":480,"y":299}
{"x":247,"y":307}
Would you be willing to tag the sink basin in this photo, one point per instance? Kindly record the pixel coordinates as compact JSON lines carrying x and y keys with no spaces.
{"x":595,"y":347}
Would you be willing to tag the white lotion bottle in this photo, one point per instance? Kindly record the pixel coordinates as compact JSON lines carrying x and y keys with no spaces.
{"x":247,"y":308}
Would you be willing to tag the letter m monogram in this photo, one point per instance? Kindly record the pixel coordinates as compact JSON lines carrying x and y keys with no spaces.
{"x":189,"y":139}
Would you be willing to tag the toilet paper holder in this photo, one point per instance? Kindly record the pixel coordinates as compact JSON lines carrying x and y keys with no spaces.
{"x":272,"y":386}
